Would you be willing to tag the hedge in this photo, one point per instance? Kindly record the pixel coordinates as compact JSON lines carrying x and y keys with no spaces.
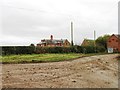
{"x":8,"y":50}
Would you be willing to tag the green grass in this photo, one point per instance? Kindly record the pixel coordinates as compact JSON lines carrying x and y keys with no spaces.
{"x":36,"y":58}
{"x":39,"y":58}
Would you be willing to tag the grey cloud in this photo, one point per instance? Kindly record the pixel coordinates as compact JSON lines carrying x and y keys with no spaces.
{"x":31,"y":22}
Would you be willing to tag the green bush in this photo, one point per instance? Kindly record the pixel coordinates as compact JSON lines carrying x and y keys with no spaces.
{"x":52,"y":49}
{"x":92,"y":49}
{"x":88,"y":49}
{"x":100,"y":49}
{"x":8,"y":50}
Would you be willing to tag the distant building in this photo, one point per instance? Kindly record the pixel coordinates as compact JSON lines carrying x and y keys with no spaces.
{"x":113,"y":43}
{"x":54,"y":43}
{"x":87,"y":42}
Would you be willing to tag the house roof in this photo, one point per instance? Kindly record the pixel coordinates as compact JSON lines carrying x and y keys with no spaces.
{"x":49,"y":41}
{"x":88,"y":41}
{"x":117,"y":35}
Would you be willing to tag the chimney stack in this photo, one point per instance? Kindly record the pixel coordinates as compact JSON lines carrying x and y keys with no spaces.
{"x":51,"y":37}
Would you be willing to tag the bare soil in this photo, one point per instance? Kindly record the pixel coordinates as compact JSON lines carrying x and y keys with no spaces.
{"x":99,"y":71}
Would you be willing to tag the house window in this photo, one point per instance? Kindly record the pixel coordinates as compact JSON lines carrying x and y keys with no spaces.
{"x":45,"y":44}
{"x":109,"y":41}
{"x":116,"y":40}
{"x":113,"y":39}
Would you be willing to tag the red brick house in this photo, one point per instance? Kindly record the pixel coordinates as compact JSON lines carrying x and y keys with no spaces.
{"x":113,"y":43}
{"x":53,"y":42}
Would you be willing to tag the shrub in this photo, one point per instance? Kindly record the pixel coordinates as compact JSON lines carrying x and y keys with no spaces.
{"x":8,"y":50}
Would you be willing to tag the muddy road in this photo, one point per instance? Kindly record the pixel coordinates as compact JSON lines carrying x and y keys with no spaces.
{"x":88,"y":72}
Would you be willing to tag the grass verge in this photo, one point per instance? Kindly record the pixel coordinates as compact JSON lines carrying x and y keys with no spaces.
{"x":38,"y":58}
{"x":35,"y":58}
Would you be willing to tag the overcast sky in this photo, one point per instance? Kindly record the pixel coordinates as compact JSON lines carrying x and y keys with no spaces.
{"x":23,"y":22}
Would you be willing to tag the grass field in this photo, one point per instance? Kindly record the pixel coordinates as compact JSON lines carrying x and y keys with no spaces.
{"x":39,"y":58}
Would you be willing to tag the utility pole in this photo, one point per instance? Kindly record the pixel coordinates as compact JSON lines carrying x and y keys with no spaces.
{"x":72,"y":34}
{"x":94,"y":40}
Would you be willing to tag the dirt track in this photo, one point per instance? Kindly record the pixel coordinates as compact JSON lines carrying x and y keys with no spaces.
{"x":88,"y":72}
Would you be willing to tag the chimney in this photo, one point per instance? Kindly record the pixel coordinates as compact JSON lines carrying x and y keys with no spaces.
{"x":51,"y":37}
{"x":72,"y":34}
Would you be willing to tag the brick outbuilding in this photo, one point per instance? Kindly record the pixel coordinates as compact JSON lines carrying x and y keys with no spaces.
{"x":113,"y":43}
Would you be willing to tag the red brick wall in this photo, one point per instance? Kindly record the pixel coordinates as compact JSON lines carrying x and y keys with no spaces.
{"x":113,"y":42}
